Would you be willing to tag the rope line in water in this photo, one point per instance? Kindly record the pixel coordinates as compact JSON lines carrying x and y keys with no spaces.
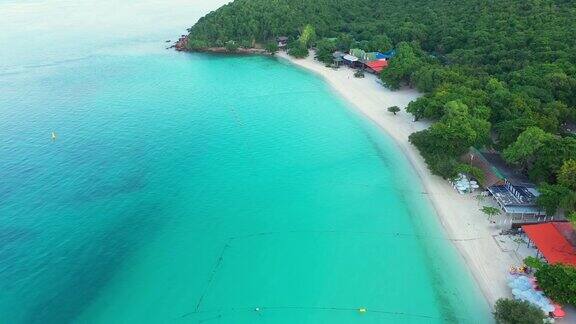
{"x":354,"y":232}
{"x":229,"y":241}
{"x":261,"y":309}
{"x":213,"y":273}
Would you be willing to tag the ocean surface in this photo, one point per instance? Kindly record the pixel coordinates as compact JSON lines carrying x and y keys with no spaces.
{"x":187,"y":188}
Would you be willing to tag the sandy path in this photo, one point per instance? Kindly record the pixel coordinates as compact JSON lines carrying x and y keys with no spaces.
{"x":459,"y":214}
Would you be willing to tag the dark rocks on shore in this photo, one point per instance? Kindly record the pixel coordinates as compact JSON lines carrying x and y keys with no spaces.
{"x":182,"y":46}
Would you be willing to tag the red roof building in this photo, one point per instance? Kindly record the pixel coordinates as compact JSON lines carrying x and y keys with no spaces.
{"x":553,"y":240}
{"x":377,"y":66}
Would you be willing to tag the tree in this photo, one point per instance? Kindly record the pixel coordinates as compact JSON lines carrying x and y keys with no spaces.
{"x":533,"y":262}
{"x":451,"y":137}
{"x":380,"y":43}
{"x":344,"y":42}
{"x":298,"y":50}
{"x":509,"y":128}
{"x":394,"y":109}
{"x":522,"y":151}
{"x":272,"y":48}
{"x":551,"y":197}
{"x":572,"y":218}
{"x":246,"y":43}
{"x":401,"y":67}
{"x":231,"y":46}
{"x":567,"y":174}
{"x":550,"y":157}
{"x":196,"y":44}
{"x":308,"y":36}
{"x":490,"y":211}
{"x":558,"y":281}
{"x":568,"y":201}
{"x":509,"y":311}
{"x":324,"y":50}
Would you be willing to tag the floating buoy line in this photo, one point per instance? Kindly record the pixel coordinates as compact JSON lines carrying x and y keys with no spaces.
{"x":219,"y":314}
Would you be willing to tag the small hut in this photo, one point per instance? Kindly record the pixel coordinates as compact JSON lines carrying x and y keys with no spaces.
{"x":282,"y":41}
{"x":338,"y":58}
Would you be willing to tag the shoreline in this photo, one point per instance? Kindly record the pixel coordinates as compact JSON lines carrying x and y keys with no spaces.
{"x":459,"y":215}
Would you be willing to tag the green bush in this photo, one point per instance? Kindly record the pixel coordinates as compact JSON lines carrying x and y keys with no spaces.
{"x":272,"y":48}
{"x":508,"y":311}
{"x":533,"y":262}
{"x":298,"y":50}
{"x":558,"y":282}
{"x":196,"y":44}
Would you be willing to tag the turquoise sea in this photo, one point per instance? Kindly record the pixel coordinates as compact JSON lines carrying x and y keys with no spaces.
{"x":187,"y":188}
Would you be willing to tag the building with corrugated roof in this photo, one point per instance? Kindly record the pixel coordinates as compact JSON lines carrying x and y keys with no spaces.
{"x":512,"y":190}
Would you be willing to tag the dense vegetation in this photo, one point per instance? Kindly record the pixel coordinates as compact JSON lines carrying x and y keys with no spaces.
{"x":496,"y":73}
{"x":558,"y":281}
{"x":509,"y":311}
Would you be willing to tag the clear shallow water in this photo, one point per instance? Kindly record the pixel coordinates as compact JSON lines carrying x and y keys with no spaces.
{"x":193,"y":188}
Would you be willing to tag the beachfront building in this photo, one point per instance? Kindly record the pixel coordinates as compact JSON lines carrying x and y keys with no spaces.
{"x":554,"y":241}
{"x":338,"y":58}
{"x":351,"y":61}
{"x":371,"y":56}
{"x":282,"y":41}
{"x":373,"y":62}
{"x":376,"y":66}
{"x":389,"y":54}
{"x":511,"y":189}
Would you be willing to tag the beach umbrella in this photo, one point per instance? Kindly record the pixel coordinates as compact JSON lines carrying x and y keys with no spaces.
{"x":558,"y":312}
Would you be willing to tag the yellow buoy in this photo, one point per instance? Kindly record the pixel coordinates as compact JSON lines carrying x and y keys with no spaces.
{"x":362,"y":310}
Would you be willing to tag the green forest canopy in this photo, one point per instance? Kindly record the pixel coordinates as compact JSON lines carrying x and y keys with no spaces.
{"x":491,"y":69}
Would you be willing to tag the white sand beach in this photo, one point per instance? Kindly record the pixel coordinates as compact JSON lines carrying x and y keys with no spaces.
{"x":459,"y":214}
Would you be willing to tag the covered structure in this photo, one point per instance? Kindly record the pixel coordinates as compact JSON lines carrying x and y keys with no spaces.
{"x":512,"y":190}
{"x":516,"y":200}
{"x":351,"y":60}
{"x":338,"y":58}
{"x":282,"y":41}
{"x":376,"y":66}
{"x":492,"y":174}
{"x":389,"y":54}
{"x":371,"y":56}
{"x":555,"y":241}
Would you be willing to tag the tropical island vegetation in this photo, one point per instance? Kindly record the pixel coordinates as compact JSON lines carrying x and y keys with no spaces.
{"x":495,"y":74}
{"x":499,"y":74}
